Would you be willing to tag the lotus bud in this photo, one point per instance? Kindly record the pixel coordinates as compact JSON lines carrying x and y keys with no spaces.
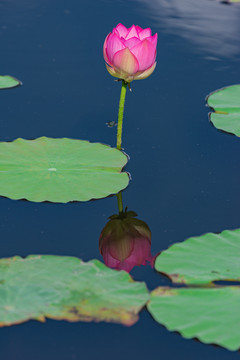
{"x":130,"y":54}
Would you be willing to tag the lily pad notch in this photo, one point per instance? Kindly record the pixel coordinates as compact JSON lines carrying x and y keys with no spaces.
{"x":60,"y":170}
{"x":226,"y":103}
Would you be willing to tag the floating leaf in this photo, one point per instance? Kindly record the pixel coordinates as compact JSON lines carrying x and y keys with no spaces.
{"x":60,"y":170}
{"x":226,"y":103}
{"x":211,"y":314}
{"x":7,"y":82}
{"x":66,"y":288}
{"x":203,"y":259}
{"x":229,"y":1}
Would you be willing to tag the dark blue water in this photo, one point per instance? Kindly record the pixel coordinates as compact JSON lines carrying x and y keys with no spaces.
{"x":185,"y":173}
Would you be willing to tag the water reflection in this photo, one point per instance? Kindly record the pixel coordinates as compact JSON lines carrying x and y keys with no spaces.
{"x":125,"y":241}
{"x":213,"y":26}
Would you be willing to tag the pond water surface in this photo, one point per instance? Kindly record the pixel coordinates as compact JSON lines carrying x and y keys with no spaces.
{"x":185,"y":173}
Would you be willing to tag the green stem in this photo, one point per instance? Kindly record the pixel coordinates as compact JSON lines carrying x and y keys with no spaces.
{"x":120,"y":202}
{"x":120,"y":114}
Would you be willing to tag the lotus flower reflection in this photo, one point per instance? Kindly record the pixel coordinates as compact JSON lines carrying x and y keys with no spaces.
{"x":130,"y":54}
{"x":125,"y":242}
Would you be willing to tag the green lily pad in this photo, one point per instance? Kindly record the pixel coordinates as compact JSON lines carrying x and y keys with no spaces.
{"x":226,"y":103}
{"x":66,"y":288}
{"x":211,"y":314}
{"x":201,"y":260}
{"x":7,"y":82}
{"x":206,"y":311}
{"x":60,"y":170}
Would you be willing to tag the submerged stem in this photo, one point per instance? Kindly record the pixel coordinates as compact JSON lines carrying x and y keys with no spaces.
{"x":120,"y":114}
{"x":120,"y":202}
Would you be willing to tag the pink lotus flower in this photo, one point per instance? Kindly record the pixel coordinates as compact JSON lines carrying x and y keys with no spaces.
{"x":130,"y":54}
{"x":125,"y":242}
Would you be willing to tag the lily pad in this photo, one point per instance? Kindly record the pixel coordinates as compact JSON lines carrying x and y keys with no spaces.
{"x":7,"y":82}
{"x":211,"y":314}
{"x":201,"y":260}
{"x":226,"y":103}
{"x":66,"y":288}
{"x":60,"y":170}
